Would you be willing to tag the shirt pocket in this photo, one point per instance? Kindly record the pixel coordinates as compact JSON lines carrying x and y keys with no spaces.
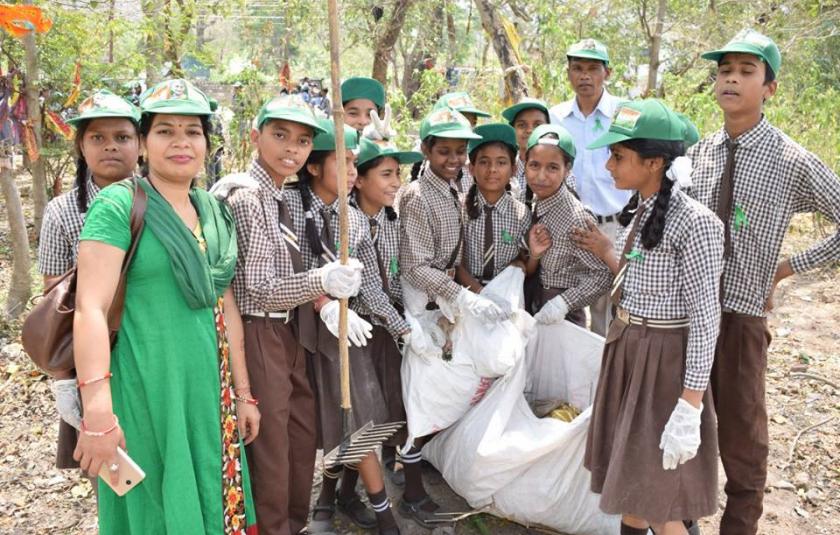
{"x":652,"y":274}
{"x":505,"y":254}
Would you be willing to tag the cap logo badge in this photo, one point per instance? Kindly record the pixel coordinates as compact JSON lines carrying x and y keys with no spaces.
{"x":444,"y":116}
{"x":459,"y":102}
{"x":627,"y":118}
{"x":178,"y":89}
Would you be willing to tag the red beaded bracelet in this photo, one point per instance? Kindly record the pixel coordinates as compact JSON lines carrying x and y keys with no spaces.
{"x":89,"y":433}
{"x":94,"y":380}
{"x":249,"y":401}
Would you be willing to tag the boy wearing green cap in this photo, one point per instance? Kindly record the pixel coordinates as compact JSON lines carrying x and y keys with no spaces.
{"x":524,"y":117}
{"x":651,"y":446}
{"x":275,"y":291}
{"x":107,"y":143}
{"x":496,"y":223}
{"x":755,"y":178}
{"x":586,"y":117}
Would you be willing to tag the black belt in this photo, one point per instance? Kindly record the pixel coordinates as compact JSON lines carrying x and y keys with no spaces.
{"x":601,"y":219}
{"x":281,"y":315}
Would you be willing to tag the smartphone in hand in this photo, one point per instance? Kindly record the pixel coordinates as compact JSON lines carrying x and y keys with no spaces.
{"x":130,"y":474}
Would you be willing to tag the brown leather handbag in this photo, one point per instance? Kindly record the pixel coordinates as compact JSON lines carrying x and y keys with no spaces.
{"x":47,"y":333}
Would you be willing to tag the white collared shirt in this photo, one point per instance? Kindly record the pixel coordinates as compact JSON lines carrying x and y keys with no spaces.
{"x":594,"y":183}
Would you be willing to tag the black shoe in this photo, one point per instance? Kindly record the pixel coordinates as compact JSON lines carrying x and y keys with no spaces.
{"x":323,"y":526}
{"x":416,"y":512}
{"x":397,"y":477}
{"x":357,"y":512}
{"x":390,"y":531}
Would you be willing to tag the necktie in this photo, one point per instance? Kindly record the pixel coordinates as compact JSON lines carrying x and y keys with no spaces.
{"x":489,"y":246}
{"x":618,"y":283}
{"x":727,"y":188}
{"x":374,"y":236}
{"x":327,"y":240}
{"x":305,"y":313}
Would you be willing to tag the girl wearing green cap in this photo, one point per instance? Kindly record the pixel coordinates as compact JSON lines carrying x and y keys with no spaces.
{"x":107,"y":143}
{"x":569,"y":278}
{"x":361,"y":98}
{"x":524,"y":117}
{"x":652,"y":446}
{"x":174,"y":387}
{"x":496,"y":223}
{"x":314,"y":204}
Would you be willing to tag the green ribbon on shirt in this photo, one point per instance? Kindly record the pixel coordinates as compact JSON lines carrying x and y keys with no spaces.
{"x":394,"y":266}
{"x":598,"y":125}
{"x":740,"y":218}
{"x":506,"y":237}
{"x":636,"y":255}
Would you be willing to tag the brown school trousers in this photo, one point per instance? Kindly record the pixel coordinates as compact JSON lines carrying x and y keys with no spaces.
{"x":738,"y":391}
{"x":282,"y":458}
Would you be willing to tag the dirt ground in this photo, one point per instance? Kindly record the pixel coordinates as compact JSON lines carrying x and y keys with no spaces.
{"x":802,"y":495}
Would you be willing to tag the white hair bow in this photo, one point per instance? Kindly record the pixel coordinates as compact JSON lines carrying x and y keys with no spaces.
{"x":680,"y":171}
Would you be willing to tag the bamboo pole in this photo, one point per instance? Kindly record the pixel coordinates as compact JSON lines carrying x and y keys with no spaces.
{"x":338,"y":118}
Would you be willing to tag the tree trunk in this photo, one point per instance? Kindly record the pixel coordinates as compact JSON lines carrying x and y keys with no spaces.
{"x":111,"y":31}
{"x":655,"y":42}
{"x":33,"y":111}
{"x":151,"y":42}
{"x":452,"y":36}
{"x":20,"y":286}
{"x":384,"y":49}
{"x":515,"y":85}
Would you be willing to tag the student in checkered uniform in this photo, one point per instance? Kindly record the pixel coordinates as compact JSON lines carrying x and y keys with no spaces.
{"x":755,"y":178}
{"x":107,"y":143}
{"x":462,"y":103}
{"x":524,"y":117}
{"x":314,"y":203}
{"x":495,"y":223}
{"x":652,"y":444}
{"x":275,"y":292}
{"x":569,"y":278}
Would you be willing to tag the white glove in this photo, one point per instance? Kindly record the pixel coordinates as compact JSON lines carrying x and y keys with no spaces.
{"x":380,"y":129}
{"x":681,"y":436}
{"x":358,"y":330}
{"x":342,"y":281}
{"x":420,"y":342}
{"x":67,"y":401}
{"x":503,"y":304}
{"x":553,"y":312}
{"x":481,"y":307}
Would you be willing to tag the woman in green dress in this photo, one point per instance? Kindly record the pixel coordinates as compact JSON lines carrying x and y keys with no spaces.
{"x":168,"y":390}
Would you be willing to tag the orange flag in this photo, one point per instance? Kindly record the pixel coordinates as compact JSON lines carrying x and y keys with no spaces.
{"x":77,"y":86}
{"x":286,"y":76}
{"x":20,"y":20}
{"x":57,"y":124}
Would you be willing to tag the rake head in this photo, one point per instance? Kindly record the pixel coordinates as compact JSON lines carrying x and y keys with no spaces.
{"x":359,"y":445}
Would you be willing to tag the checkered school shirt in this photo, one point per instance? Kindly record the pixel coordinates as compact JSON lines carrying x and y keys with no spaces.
{"x":430,"y":224}
{"x":565,"y":265}
{"x":387,"y":242}
{"x":60,"y":230}
{"x":264,"y":280}
{"x":511,"y":221}
{"x":518,"y":182}
{"x":774,"y":178}
{"x":679,"y":278}
{"x":371,"y":294}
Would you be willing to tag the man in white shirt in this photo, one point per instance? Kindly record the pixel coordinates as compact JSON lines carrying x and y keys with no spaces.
{"x":586,"y":117}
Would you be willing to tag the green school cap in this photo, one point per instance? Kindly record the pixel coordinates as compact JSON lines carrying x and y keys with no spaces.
{"x":325,"y":139}
{"x":526,"y":103}
{"x":692,"y":135}
{"x":361,"y":87}
{"x":370,"y":150}
{"x":288,"y":108}
{"x":589,"y":49}
{"x":459,"y":101}
{"x":103,"y":103}
{"x":494,"y":132}
{"x":447,"y":123}
{"x":176,"y":97}
{"x":643,"y":119}
{"x":750,"y":42}
{"x":555,"y":135}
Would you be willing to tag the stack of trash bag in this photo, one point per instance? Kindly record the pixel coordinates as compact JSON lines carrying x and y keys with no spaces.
{"x":513,"y":402}
{"x":440,"y":385}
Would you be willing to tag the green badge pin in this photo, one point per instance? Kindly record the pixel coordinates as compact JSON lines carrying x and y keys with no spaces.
{"x":349,"y":248}
{"x":506,"y":237}
{"x":636,"y":255}
{"x":598,"y":125}
{"x":740,"y":218}
{"x":394,"y":266}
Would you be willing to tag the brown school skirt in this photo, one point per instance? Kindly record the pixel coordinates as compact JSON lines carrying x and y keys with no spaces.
{"x":387,"y":360}
{"x":641,"y":379}
{"x":543,"y":295}
{"x":365,"y":393}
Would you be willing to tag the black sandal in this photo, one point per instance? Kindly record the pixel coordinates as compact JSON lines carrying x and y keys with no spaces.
{"x":415,"y":511}
{"x":323,"y":526}
{"x":357,"y":512}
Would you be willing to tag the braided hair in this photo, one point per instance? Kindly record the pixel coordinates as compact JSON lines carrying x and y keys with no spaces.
{"x":655,"y":225}
{"x":390,"y":213}
{"x":304,"y":186}
{"x":419,"y":168}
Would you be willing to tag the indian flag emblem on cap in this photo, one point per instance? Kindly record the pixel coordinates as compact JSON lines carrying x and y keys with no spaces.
{"x":442,"y":117}
{"x":753,"y":38}
{"x":626,"y":118}
{"x":460,"y":102}
{"x":586,"y":44}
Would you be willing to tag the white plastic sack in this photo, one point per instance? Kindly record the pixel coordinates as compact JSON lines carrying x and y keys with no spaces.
{"x":495,"y":349}
{"x":526,"y":468}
